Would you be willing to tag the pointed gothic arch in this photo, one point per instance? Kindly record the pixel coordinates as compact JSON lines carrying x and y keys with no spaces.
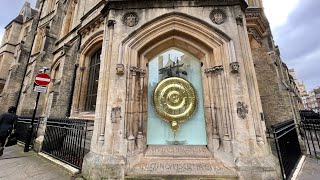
{"x":211,"y":46}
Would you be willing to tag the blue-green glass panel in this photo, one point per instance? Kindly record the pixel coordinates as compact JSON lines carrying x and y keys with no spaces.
{"x":193,"y":130}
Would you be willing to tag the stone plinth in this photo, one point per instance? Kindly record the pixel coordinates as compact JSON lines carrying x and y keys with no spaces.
{"x":181,"y":168}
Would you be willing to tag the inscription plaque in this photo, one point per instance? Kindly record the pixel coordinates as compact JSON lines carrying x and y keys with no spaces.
{"x":178,"y":151}
{"x":176,"y":166}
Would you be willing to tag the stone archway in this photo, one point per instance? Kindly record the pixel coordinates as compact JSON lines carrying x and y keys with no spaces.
{"x":233,"y":129}
{"x":212,"y":48}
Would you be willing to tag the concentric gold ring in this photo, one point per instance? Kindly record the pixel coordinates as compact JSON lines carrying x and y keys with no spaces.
{"x":175,"y":100}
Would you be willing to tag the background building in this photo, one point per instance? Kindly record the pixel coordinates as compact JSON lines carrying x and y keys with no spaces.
{"x":100,"y":53}
{"x":312,"y":101}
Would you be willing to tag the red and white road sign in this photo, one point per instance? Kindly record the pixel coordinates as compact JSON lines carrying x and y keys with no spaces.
{"x":42,"y":79}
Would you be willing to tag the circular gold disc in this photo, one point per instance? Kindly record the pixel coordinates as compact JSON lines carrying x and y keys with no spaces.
{"x":174,"y":99}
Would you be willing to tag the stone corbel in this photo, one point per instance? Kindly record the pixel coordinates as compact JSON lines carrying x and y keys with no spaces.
{"x":64,"y":50}
{"x":239,"y":20}
{"x":111,"y":23}
{"x":120,"y":69}
{"x":218,"y":69}
{"x":242,"y":110}
{"x":135,"y":70}
{"x":234,"y":67}
{"x":115,"y":114}
{"x":255,"y":35}
{"x":82,"y":68}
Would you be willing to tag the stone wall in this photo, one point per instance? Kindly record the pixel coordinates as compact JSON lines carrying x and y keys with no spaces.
{"x":62,"y":89}
{"x":275,"y":87}
{"x":17,"y":67}
{"x":275,"y":97}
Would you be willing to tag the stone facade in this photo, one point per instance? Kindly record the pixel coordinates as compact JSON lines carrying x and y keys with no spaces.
{"x":279,"y":94}
{"x":245,"y":84}
{"x":14,"y":53}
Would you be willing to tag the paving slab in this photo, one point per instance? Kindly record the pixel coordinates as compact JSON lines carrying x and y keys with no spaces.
{"x":310,"y":169}
{"x":16,"y":164}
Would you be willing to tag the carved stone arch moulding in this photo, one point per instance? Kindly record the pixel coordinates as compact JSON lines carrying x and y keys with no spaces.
{"x":94,"y":40}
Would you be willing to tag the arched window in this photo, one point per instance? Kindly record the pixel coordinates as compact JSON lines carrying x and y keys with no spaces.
{"x":50,"y":5}
{"x":68,"y":19}
{"x":93,"y":81}
{"x":38,"y":41}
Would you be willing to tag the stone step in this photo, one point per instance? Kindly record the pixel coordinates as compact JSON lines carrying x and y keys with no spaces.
{"x":179,"y":178}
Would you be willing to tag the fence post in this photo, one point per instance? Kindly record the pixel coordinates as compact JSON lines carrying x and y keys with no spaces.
{"x":39,"y":138}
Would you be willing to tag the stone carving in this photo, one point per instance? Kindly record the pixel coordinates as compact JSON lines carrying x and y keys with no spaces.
{"x":115,"y":114}
{"x":234,"y":67}
{"x":130,"y":19}
{"x":92,"y":28}
{"x":218,"y":16}
{"x":239,"y":20}
{"x":136,"y":70}
{"x":120,"y":69}
{"x":111,"y":23}
{"x":242,"y":110}
{"x":215,"y":69}
{"x":257,"y":16}
{"x":255,"y":35}
{"x":82,"y":68}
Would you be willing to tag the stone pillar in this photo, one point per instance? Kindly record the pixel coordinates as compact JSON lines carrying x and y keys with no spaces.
{"x":140,"y":143}
{"x":103,"y":161}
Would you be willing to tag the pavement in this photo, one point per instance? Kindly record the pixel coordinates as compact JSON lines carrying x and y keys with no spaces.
{"x":16,"y":164}
{"x":310,"y":169}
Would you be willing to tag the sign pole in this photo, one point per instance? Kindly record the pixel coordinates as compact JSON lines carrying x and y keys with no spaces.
{"x":41,"y":81}
{"x":30,"y":128}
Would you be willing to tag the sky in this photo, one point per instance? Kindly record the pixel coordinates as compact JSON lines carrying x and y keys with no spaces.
{"x":294,"y":23}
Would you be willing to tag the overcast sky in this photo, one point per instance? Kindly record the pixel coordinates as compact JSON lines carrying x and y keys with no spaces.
{"x":295,"y":26}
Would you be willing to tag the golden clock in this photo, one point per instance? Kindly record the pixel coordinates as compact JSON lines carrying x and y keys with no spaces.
{"x":174,"y":100}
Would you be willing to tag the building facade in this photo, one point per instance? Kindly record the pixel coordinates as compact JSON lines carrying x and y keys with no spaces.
{"x":179,"y":89}
{"x":312,"y":101}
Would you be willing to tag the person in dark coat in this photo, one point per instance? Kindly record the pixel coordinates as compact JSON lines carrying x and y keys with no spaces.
{"x":8,"y":122}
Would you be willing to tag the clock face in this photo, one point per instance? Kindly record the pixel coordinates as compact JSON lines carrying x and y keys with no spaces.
{"x":174,"y":100}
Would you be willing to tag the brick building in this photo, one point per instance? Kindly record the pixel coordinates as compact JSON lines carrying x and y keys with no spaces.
{"x":103,"y":58}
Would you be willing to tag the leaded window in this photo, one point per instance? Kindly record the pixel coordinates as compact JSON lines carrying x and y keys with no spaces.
{"x":93,"y":81}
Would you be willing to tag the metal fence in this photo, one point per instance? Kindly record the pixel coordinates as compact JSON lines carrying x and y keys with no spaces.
{"x":23,"y":124}
{"x":310,"y":133}
{"x":68,"y":139}
{"x":284,"y":141}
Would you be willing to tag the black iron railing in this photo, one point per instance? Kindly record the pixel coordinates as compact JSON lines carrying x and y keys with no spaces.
{"x":310,"y":133}
{"x":22,"y":128}
{"x":284,"y":140}
{"x":68,"y":139}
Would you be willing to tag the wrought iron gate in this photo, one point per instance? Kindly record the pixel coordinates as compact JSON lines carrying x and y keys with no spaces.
{"x":286,"y":144}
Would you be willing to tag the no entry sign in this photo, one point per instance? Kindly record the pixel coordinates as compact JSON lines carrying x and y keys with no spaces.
{"x":42,"y":79}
